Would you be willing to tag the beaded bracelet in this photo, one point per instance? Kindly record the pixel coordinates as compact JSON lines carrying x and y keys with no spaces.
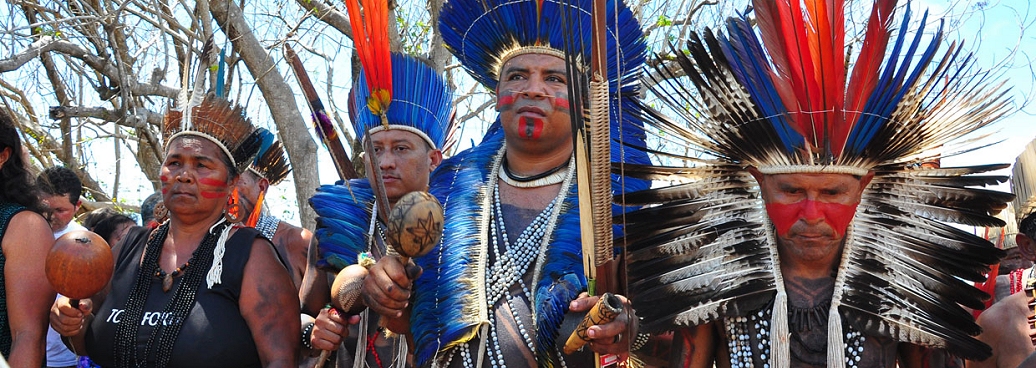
{"x":640,"y":341}
{"x":307,"y":333}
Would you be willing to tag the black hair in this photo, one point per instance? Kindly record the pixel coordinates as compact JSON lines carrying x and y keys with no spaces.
{"x":1028,"y":226}
{"x":107,"y":225}
{"x":16,"y":184}
{"x":147,"y":208}
{"x":60,"y":180}
{"x":94,"y":217}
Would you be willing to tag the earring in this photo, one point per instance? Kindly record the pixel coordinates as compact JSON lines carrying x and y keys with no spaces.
{"x":233,"y":210}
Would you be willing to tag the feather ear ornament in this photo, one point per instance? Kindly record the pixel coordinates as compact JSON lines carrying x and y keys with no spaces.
{"x":778,"y":94}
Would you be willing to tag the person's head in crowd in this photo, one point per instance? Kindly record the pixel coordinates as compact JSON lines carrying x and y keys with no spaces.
{"x":92,"y":218}
{"x":147,"y":210}
{"x":1026,"y":240}
{"x":15,"y":181}
{"x":60,"y":189}
{"x":113,"y":228}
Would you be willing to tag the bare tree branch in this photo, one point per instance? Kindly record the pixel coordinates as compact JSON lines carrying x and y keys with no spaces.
{"x":328,"y":14}
{"x":139,"y":118}
{"x":279,"y":98}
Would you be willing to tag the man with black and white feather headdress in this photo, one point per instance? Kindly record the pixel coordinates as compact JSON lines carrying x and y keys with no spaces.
{"x":809,"y":233}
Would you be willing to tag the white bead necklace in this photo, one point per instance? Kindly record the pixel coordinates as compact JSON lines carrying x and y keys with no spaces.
{"x":509,"y":266}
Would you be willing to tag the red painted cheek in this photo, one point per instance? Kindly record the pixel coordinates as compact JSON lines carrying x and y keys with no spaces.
{"x":212,"y":182}
{"x":211,"y":194}
{"x":219,"y":190}
{"x":165,"y":182}
{"x":836,"y":215}
{"x":505,"y":102}
{"x":530,"y":128}
{"x":562,"y":104}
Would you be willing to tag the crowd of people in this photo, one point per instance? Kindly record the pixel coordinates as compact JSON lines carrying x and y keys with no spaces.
{"x":809,"y":230}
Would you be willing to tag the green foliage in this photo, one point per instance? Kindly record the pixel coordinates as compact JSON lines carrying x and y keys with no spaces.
{"x":413,"y":35}
{"x":664,"y":21}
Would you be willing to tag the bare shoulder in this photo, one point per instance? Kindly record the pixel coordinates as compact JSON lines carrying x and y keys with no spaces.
{"x":28,"y":228}
{"x":28,"y":220}
{"x":1014,"y":306}
{"x":296,"y":236}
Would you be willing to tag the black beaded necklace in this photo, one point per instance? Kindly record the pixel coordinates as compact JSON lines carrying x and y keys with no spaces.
{"x":526,"y":179}
{"x":165,"y":333}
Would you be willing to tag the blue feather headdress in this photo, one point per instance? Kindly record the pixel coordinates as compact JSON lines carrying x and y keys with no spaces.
{"x":780,"y":96}
{"x":483,"y":35}
{"x":421,"y":103}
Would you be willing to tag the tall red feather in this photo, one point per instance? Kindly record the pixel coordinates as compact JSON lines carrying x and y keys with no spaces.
{"x":865,"y":72}
{"x":370,"y":38}
{"x":806,"y":44}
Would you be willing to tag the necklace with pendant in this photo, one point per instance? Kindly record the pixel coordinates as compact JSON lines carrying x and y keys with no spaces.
{"x":167,"y":278}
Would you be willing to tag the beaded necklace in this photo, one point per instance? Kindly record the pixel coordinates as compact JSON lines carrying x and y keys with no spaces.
{"x":510,"y":265}
{"x":517,"y":261}
{"x":167,"y":278}
{"x":267,"y":225}
{"x":164,"y":334}
{"x":549,"y":177}
{"x":741,"y":331}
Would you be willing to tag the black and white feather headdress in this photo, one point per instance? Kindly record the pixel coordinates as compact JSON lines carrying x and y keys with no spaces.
{"x":784,"y":97}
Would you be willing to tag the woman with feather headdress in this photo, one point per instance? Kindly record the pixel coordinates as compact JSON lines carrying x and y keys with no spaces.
{"x":812,"y":234}
{"x":195,"y":291}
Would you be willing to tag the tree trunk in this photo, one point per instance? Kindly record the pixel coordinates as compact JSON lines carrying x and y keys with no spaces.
{"x":280,"y":99}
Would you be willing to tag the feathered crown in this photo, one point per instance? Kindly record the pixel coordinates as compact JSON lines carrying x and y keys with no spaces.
{"x":219,"y":121}
{"x":420,"y":102}
{"x":270,"y":162}
{"x":484,"y":35}
{"x":781,"y":98}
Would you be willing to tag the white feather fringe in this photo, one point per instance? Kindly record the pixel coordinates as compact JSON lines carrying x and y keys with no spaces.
{"x":216,"y":271}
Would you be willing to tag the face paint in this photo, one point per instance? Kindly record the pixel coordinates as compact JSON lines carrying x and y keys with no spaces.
{"x":212,"y":182}
{"x":530,"y":128}
{"x":838,"y":216}
{"x":221,"y":188}
{"x":212,"y":195}
{"x":561,"y":103}
{"x":165,"y":182}
{"x":505,"y":102}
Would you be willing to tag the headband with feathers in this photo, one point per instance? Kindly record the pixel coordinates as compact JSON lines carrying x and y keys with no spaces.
{"x":781,"y":97}
{"x":270,"y":162}
{"x":420,"y":102}
{"x":483,"y":35}
{"x":220,"y":122}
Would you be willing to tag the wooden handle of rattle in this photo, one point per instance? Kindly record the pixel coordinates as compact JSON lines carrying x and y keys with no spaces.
{"x":606,"y":309}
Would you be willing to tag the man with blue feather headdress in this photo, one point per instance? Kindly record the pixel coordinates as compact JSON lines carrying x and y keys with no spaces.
{"x":408,"y":139}
{"x":508,"y":272}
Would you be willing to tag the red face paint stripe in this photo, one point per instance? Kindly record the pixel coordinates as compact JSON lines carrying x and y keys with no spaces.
{"x":530,"y":128}
{"x":504,"y":103}
{"x":212,"y":195}
{"x":837,"y":215}
{"x":561,"y":103}
{"x":212,"y":182}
